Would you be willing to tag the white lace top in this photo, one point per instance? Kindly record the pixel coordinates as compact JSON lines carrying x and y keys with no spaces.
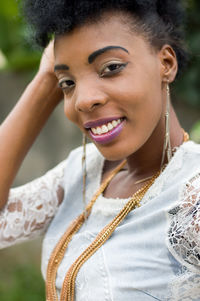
{"x":153,"y":255}
{"x":31,"y":207}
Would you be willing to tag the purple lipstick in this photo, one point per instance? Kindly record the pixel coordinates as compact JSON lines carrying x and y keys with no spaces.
{"x":105,"y":130}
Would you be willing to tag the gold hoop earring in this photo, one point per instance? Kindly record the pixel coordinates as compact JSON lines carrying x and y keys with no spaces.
{"x":167,"y":150}
{"x":84,"y":172}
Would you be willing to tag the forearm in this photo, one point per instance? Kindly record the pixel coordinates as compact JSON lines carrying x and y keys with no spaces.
{"x":31,"y":207}
{"x":22,"y":126}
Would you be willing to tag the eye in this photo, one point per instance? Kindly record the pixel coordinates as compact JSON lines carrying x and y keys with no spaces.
{"x":65,"y":84}
{"x":112,"y":68}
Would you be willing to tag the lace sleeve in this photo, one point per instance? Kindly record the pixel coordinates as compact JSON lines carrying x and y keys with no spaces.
{"x":184,"y":230}
{"x":31,"y":207}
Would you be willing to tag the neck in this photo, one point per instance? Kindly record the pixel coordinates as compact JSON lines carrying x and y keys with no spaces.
{"x":147,"y":160}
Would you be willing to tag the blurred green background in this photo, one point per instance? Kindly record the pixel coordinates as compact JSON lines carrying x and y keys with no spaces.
{"x":20,"y":277}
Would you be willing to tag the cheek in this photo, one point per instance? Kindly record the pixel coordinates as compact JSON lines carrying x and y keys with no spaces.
{"x":144,"y":108}
{"x":70,"y":111}
{"x":149,"y":110}
{"x":142,"y":101}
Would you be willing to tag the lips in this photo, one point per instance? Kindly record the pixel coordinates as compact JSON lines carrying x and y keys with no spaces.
{"x":105,"y":130}
{"x":100,"y":122}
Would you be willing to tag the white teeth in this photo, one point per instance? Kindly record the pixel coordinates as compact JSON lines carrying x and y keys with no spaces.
{"x":94,"y":130}
{"x":114,"y":123}
{"x":99,"y":132}
{"x":110,"y":126}
{"x":105,"y":128}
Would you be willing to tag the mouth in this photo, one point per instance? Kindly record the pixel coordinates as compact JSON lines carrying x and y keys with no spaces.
{"x":107,"y":131}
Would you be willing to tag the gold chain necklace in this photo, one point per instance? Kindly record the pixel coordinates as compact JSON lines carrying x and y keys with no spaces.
{"x":60,"y":248}
{"x":68,"y":288}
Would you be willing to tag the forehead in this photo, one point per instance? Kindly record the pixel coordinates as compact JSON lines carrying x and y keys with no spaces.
{"x":111,"y":29}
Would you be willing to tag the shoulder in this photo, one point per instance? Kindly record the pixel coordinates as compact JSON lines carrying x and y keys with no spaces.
{"x":184,"y":230}
{"x":191,"y":164}
{"x":187,"y":160}
{"x":191,"y":148}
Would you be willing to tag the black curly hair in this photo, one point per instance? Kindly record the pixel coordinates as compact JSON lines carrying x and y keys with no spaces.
{"x":160,"y":20}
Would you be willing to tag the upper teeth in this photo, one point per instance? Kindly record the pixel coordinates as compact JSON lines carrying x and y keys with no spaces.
{"x":105,"y":128}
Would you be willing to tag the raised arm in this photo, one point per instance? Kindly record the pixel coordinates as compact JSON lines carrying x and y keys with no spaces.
{"x":23,"y":124}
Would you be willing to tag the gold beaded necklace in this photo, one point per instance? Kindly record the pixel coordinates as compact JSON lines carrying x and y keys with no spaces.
{"x":68,"y":288}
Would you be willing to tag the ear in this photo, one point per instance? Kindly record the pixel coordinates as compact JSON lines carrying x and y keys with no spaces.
{"x":169,"y":64}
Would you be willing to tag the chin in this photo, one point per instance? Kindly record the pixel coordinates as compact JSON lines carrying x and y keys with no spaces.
{"x":114,"y":152}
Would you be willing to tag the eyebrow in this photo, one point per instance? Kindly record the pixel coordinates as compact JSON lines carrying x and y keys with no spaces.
{"x":98,"y":52}
{"x":92,"y":56}
{"x":61,"y":67}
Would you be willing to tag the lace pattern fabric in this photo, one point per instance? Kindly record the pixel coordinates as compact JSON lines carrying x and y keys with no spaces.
{"x":31,"y":207}
{"x":184,"y":241}
{"x":185,"y":287}
{"x":184,"y":230}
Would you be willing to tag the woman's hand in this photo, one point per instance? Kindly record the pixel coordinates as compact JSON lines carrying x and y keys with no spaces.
{"x":47,"y":60}
{"x":46,"y":70}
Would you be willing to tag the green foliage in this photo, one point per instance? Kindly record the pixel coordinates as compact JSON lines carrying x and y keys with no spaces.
{"x":24,"y":283}
{"x":188,"y":86}
{"x":195,"y":132}
{"x":14,"y":34}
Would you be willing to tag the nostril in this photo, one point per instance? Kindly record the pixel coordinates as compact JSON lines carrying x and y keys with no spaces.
{"x":89,"y":102}
{"x":89,"y":108}
{"x":95,"y":105}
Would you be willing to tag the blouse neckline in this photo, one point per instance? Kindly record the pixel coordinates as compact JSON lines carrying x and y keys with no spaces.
{"x":158,"y":180}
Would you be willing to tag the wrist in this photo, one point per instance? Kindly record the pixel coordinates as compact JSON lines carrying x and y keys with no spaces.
{"x":46,"y":84}
{"x":46,"y":80}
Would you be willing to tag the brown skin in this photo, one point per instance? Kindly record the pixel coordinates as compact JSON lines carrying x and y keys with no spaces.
{"x":23,"y":124}
{"x":136,"y":93}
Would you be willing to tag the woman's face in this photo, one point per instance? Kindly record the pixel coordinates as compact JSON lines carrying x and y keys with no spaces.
{"x":112,"y":81}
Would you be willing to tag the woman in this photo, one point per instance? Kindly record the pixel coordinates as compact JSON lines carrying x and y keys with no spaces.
{"x":138,"y":237}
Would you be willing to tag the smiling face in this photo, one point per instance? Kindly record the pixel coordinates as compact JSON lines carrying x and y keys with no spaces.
{"x":112,"y":79}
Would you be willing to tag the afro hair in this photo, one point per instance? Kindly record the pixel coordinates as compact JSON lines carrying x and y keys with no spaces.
{"x":160,"y":20}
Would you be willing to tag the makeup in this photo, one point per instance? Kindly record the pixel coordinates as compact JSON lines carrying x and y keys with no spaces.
{"x":107,"y":132}
{"x":98,"y":52}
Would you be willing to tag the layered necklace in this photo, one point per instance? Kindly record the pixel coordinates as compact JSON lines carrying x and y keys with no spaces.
{"x":68,"y":287}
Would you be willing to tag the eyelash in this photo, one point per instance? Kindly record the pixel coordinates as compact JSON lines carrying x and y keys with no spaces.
{"x":120,"y":67}
{"x":70,"y":83}
{"x":65,"y":81}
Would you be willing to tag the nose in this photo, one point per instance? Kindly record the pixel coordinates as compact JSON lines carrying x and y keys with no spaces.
{"x":89,"y":97}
